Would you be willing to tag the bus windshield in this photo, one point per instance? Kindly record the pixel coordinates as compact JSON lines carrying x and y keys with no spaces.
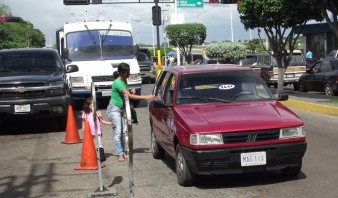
{"x":99,"y":45}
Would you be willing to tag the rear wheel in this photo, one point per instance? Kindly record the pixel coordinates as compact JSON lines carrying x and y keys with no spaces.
{"x":156,"y":150}
{"x":292,"y":171}
{"x":184,"y":176}
{"x":328,"y":90}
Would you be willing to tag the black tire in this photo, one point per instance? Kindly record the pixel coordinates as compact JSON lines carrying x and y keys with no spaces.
{"x":292,"y":171}
{"x":295,"y":86}
{"x":156,"y":150}
{"x":301,"y":86}
{"x":328,"y":90}
{"x":62,"y":123}
{"x":184,"y":176}
{"x":135,"y":102}
{"x":275,"y":85}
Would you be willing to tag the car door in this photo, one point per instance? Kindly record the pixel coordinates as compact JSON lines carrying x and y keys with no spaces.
{"x":319,"y":76}
{"x":161,"y":117}
{"x":310,"y":77}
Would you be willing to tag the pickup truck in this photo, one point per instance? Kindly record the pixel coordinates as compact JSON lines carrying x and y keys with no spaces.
{"x":33,"y":84}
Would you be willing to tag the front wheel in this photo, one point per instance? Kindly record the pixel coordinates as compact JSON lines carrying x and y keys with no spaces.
{"x":62,"y":122}
{"x":295,"y":86}
{"x":184,"y":176}
{"x":301,"y":86}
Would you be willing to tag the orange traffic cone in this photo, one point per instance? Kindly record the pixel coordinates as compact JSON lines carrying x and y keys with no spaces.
{"x":89,"y":157}
{"x":72,"y":134}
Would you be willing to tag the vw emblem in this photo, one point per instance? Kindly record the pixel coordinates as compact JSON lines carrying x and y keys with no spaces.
{"x":252,"y":138}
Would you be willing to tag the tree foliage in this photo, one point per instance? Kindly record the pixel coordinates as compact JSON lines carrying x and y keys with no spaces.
{"x":229,"y":51}
{"x":18,"y":35}
{"x":332,"y":15}
{"x":184,"y":36}
{"x":278,"y":19}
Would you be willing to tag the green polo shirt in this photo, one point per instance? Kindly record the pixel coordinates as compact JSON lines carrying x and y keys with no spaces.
{"x":117,"y":98}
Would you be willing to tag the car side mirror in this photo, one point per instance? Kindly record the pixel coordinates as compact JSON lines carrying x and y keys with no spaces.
{"x":159,"y":104}
{"x":283,"y":97}
{"x":72,"y":68}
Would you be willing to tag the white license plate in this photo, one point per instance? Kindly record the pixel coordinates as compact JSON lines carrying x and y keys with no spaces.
{"x":106,"y":93}
{"x":289,"y":75}
{"x":22,"y":108}
{"x":253,"y":159}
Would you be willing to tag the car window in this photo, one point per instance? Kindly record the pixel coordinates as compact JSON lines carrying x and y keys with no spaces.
{"x":169,"y":90}
{"x":316,"y":67}
{"x":226,"y":86}
{"x":335,"y":64}
{"x":325,"y":67}
{"x":161,"y":85}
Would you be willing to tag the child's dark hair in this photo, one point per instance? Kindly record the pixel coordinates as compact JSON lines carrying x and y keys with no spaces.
{"x":86,"y":105}
{"x":123,"y":68}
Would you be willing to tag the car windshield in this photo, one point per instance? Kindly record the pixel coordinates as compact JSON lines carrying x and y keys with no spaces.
{"x":99,"y":45}
{"x":225,"y":86}
{"x":29,"y":62}
{"x":297,"y":59}
{"x":142,"y":57}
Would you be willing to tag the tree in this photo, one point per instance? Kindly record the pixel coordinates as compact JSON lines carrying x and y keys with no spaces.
{"x":332,"y":7}
{"x":231,"y":52}
{"x":18,"y":34}
{"x":278,"y":19}
{"x":184,"y":36}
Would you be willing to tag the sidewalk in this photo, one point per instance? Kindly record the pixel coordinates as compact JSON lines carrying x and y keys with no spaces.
{"x":319,"y":105}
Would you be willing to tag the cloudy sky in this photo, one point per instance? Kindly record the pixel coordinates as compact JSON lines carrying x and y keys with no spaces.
{"x":49,"y":15}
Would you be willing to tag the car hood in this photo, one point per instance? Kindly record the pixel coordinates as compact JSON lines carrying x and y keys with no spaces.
{"x":238,"y":116}
{"x":29,"y":77}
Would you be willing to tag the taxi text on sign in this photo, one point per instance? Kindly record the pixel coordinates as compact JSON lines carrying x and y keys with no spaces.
{"x":190,"y":3}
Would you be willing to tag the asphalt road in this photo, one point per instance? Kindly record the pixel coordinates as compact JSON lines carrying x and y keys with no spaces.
{"x":34,"y":163}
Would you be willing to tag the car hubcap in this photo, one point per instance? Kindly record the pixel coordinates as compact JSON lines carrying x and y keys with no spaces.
{"x":179,"y":165}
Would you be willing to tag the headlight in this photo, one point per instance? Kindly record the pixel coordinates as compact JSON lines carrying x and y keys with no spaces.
{"x":77,"y":80}
{"x":135,"y":77}
{"x":206,"y":139}
{"x":57,"y":84}
{"x":294,"y":132}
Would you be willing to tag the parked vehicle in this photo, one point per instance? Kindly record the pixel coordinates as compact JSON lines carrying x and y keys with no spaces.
{"x":222,"y":120}
{"x":296,"y":68}
{"x":33,"y":84}
{"x":97,"y":48}
{"x":261,"y":62}
{"x":322,"y":77}
{"x":332,"y":54}
{"x":145,"y":67}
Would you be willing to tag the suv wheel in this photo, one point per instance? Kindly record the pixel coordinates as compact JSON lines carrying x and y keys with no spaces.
{"x":295,"y":86}
{"x":184,"y":176}
{"x":157,"y":151}
{"x":292,"y":171}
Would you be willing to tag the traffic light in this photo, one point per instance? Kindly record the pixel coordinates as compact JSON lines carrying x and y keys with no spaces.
{"x":76,"y":2}
{"x":156,"y":11}
{"x":10,"y":19}
{"x":229,"y":1}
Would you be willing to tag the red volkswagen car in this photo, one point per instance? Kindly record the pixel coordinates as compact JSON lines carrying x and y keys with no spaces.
{"x":223,"y":119}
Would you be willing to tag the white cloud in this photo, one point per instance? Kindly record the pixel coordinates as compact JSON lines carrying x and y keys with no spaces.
{"x":52,"y":14}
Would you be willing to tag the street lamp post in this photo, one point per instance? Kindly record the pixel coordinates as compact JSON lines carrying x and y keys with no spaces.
{"x":138,"y":24}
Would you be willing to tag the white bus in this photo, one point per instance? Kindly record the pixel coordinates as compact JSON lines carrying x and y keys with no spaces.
{"x":97,"y":48}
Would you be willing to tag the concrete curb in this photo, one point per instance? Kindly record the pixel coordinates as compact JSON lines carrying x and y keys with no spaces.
{"x":325,"y":109}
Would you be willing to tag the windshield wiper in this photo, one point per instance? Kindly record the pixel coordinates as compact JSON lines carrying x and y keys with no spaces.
{"x":31,"y":70}
{"x":204,"y":98}
{"x":6,"y":70}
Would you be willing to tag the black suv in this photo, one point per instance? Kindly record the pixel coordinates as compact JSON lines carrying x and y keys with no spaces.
{"x":33,"y":83}
{"x":145,"y":67}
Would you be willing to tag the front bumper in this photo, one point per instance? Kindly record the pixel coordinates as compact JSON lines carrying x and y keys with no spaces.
{"x":227,"y":161}
{"x":47,"y":107}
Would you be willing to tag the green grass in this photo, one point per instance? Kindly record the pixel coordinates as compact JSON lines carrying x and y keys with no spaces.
{"x":335,"y":101}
